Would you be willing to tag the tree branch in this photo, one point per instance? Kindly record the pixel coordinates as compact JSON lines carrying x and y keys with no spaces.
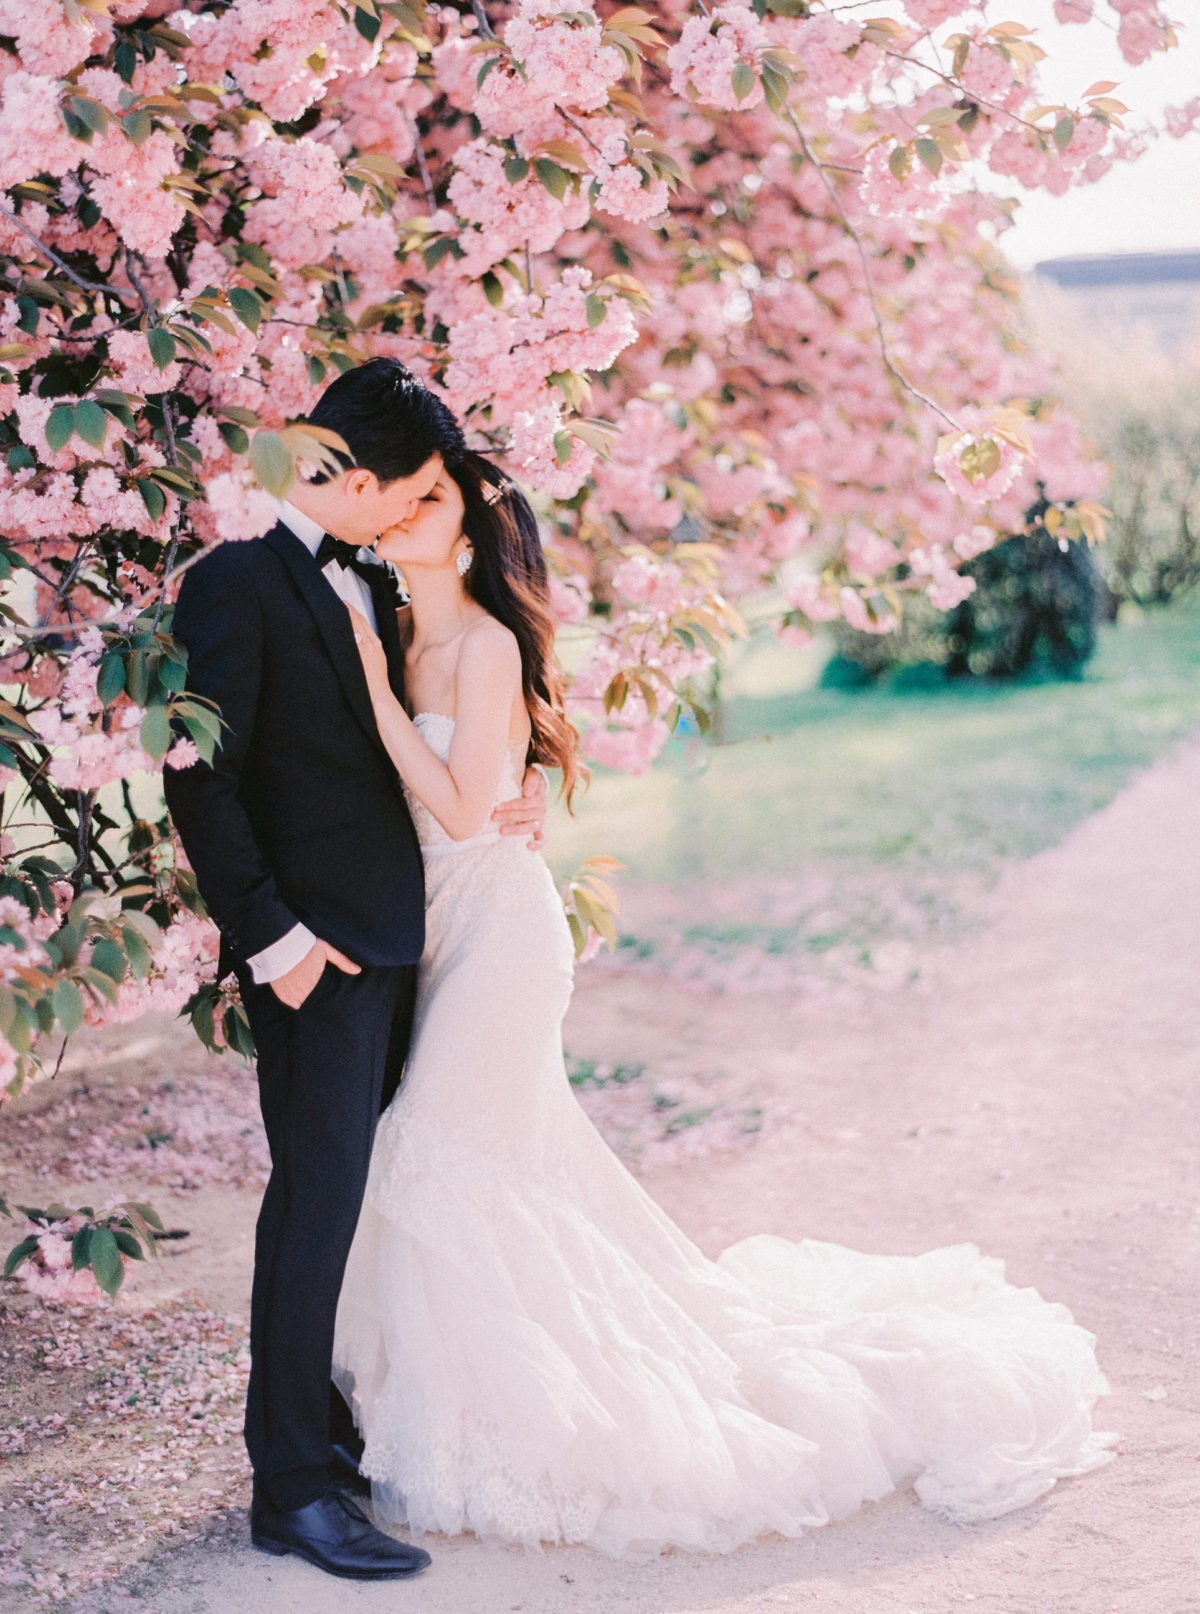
{"x":885,"y":352}
{"x":61,"y":263}
{"x":481,"y":17}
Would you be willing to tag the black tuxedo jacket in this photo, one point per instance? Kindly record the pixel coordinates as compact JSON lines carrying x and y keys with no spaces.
{"x":301,"y":816}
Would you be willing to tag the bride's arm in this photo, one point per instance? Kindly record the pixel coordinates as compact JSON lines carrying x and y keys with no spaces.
{"x":461,"y":793}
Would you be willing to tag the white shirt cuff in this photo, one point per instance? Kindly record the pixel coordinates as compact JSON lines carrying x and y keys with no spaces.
{"x":281,"y":956}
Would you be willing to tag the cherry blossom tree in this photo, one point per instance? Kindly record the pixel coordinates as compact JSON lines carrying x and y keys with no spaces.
{"x":721,"y":283}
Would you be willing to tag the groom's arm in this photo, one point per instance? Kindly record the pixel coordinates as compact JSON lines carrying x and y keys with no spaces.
{"x":219,"y":619}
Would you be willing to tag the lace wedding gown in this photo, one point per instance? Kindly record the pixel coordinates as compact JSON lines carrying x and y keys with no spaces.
{"x":535,"y":1352}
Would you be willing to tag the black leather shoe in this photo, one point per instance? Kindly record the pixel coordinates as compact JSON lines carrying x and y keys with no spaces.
{"x":345,"y":1473}
{"x":336,"y":1536}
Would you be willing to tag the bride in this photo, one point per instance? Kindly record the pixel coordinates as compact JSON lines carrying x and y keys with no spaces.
{"x":533,"y":1351}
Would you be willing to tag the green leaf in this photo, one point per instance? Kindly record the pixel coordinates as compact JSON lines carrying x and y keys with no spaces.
{"x":128,"y":1244}
{"x":30,"y":314}
{"x":743,"y":79}
{"x":139,"y":126}
{"x":1064,"y":129}
{"x":21,"y":458}
{"x":19,"y":1253}
{"x":552,"y":176}
{"x":162,"y":346}
{"x":81,"y":1246}
{"x":596,"y":310}
{"x":199,"y":1010}
{"x":238,"y":1035}
{"x":91,"y":422}
{"x":434,"y":253}
{"x":108,"y":958}
{"x":106,"y":1261}
{"x":153,"y":498}
{"x":271,"y":462}
{"x":147,"y":1213}
{"x":367,"y":25}
{"x":110,"y":676}
{"x":155,"y":733}
{"x":138,"y":953}
{"x":492,"y":289}
{"x":900,"y":162}
{"x":930,"y":154}
{"x":126,"y":60}
{"x":562,"y":447}
{"x":68,"y":1006}
{"x":247,"y":305}
{"x":172,"y":675}
{"x":60,"y":427}
{"x":515,"y":170}
{"x":316,"y":371}
{"x":237,"y":439}
{"x":90,"y":113}
{"x":137,"y":677}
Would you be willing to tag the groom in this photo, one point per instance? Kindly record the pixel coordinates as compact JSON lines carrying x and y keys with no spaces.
{"x":306,"y":855}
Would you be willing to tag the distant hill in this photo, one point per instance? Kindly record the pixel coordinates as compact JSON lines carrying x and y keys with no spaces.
{"x":1158,"y":292}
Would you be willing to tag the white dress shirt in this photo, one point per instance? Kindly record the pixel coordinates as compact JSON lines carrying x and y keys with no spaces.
{"x":288,"y":951}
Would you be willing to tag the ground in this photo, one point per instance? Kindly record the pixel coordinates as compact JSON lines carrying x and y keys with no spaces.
{"x":1018,"y":1072}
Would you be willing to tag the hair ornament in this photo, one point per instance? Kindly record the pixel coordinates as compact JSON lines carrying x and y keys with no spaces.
{"x":493,"y":492}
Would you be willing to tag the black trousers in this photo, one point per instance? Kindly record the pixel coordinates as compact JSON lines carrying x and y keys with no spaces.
{"x":325,"y":1073}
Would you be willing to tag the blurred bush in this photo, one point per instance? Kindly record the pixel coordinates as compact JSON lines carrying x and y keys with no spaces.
{"x":1038,"y":600}
{"x":1154,"y":494}
{"x":1139,"y":402}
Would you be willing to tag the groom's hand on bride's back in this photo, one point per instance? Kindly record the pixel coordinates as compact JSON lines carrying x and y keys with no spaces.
{"x":299,"y":981}
{"x":526,"y":814}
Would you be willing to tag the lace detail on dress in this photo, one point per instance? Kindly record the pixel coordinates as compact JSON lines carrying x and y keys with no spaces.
{"x":437,"y":730}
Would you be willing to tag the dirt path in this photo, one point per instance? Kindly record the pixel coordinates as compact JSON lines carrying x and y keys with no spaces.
{"x":1033,"y":1093}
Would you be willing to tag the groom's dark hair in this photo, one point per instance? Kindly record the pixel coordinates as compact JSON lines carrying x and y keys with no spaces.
{"x":391,"y":424}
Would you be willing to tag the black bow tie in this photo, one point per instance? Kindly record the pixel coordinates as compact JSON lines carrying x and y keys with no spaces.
{"x":331,"y":548}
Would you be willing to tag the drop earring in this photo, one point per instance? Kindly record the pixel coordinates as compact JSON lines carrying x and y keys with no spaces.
{"x":463,"y":563}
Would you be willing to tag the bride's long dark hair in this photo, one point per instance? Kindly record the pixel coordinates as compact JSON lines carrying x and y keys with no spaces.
{"x":508,"y":578}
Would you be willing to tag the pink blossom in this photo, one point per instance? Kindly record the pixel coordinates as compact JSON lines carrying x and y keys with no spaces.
{"x":854,"y":609}
{"x":238,"y":508}
{"x":568,"y":598}
{"x":1140,"y":34}
{"x":33,"y":137}
{"x":969,"y":544}
{"x":137,"y":371}
{"x":183,"y":754}
{"x":127,"y":188}
{"x":805,"y":593}
{"x":564,"y":62}
{"x":932,"y":13}
{"x":628,"y":750}
{"x":708,"y":50}
{"x":534,"y":451}
{"x":963,"y":455}
{"x":869,"y":553}
{"x":888,"y":197}
{"x":1181,"y":120}
{"x":50,"y":43}
{"x":950,"y":589}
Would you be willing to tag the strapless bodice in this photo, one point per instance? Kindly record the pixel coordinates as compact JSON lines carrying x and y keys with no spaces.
{"x":437,"y":730}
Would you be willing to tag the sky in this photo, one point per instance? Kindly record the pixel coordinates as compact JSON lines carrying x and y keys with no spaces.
{"x":1150,"y":205}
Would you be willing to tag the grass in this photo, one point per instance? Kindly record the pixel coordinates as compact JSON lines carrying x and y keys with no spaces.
{"x":956,"y":778}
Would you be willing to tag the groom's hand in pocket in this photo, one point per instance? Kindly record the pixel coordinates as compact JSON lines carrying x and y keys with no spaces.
{"x":299,"y":981}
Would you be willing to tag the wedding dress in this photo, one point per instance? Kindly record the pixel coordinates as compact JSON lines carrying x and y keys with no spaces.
{"x":536,"y":1353}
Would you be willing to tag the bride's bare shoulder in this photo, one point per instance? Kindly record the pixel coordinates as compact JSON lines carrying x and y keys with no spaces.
{"x":491,"y":647}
